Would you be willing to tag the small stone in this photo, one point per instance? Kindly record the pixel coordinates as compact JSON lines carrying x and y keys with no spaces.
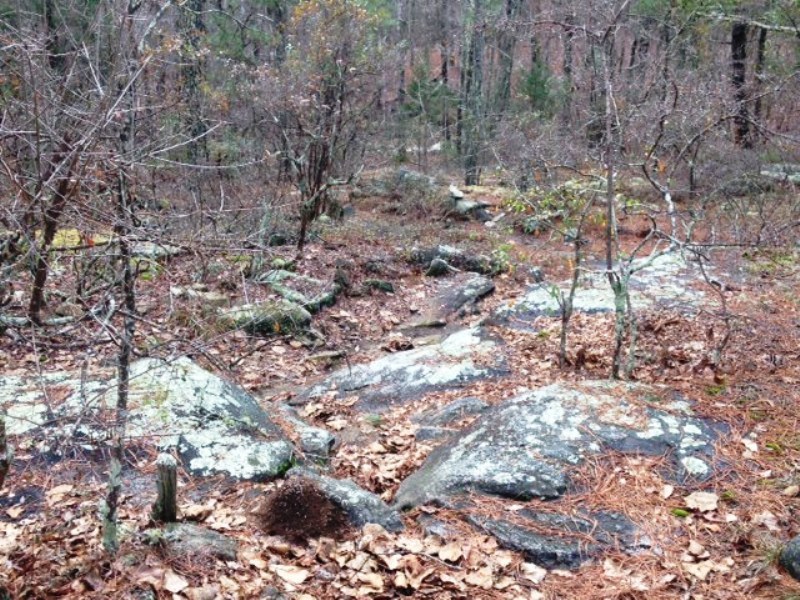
{"x":187,"y":540}
{"x":792,"y":491}
{"x":790,"y":557}
{"x":702,"y":501}
{"x":438,"y":268}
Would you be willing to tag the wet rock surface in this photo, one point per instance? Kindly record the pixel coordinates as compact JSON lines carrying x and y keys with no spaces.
{"x":790,"y":557}
{"x":669,"y":282}
{"x":267,"y":318}
{"x":216,"y":427}
{"x":189,"y":541}
{"x":360,"y":506}
{"x":463,"y":357}
{"x":311,"y":294}
{"x":457,"y":258}
{"x":525,"y":446}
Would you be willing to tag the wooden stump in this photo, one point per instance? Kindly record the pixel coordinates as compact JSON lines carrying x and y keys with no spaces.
{"x":166,"y":507}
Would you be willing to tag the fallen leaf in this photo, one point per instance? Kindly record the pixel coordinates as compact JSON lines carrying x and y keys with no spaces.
{"x":768,"y":520}
{"x":373,"y":580}
{"x":792,"y":491}
{"x":698,"y":570}
{"x":696,"y":548}
{"x":15,"y":511}
{"x":702,"y":501}
{"x":533,"y":573}
{"x":174,"y":583}
{"x":481,"y":578}
{"x":667,"y":491}
{"x":450,"y":552}
{"x":290,"y":573}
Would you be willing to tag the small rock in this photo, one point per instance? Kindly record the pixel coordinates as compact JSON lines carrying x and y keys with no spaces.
{"x":267,"y":318}
{"x":380,"y":285}
{"x":188,"y":540}
{"x":360,"y":506}
{"x":438,"y":268}
{"x":790,"y":557}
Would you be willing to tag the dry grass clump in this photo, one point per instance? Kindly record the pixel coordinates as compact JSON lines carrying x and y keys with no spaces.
{"x":299,"y":510}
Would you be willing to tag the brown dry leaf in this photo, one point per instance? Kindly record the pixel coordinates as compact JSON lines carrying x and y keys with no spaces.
{"x":533,"y":573}
{"x":207,"y":592}
{"x":15,"y":511}
{"x":361,"y":561}
{"x":504,"y":582}
{"x":290,"y":573}
{"x":373,"y":580}
{"x":792,"y":491}
{"x":699,"y":570}
{"x":450,"y":552}
{"x":415,"y":581}
{"x":174,"y":583}
{"x":197,"y":512}
{"x":57,"y":493}
{"x":453,"y":579}
{"x":401,"y":581}
{"x":768,"y":520}
{"x":393,"y":562}
{"x":702,"y":501}
{"x":696,"y":548}
{"x":481,"y":578}
{"x":503,"y":558}
{"x":413,"y":545}
{"x":254,"y":559}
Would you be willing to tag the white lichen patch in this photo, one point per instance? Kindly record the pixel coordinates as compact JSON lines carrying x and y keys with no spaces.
{"x":695,"y":466}
{"x":218,"y":425}
{"x":452,"y":361}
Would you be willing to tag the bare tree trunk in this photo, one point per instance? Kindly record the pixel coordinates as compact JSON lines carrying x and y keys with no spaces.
{"x":52,"y":216}
{"x":758,"y":109}
{"x":741,"y":124}
{"x":472,"y":98}
{"x":5,"y":461}
{"x":506,"y":43}
{"x":122,"y":230}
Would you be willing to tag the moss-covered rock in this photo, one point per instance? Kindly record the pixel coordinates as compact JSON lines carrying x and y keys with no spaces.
{"x":267,"y":318}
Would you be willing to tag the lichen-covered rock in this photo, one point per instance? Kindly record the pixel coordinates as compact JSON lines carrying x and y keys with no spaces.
{"x":201,"y":293}
{"x":524,"y":447}
{"x":155,"y":251}
{"x":457,"y":258}
{"x":456,"y":410}
{"x":360,"y":506}
{"x":456,"y":297}
{"x":216,"y":427}
{"x":315,"y":442}
{"x":668,"y":282}
{"x":311,"y":294}
{"x":186,"y":540}
{"x":267,"y":318}
{"x":463,"y":357}
{"x":547,"y":551}
{"x":438,"y":268}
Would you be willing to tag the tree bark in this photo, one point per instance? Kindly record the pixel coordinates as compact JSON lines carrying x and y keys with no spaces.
{"x":4,"y":453}
{"x":506,"y":43}
{"x":741,"y":124}
{"x":165,"y":509}
{"x":472,"y":97}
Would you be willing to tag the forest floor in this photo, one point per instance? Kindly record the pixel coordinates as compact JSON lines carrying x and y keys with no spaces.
{"x":50,"y":544}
